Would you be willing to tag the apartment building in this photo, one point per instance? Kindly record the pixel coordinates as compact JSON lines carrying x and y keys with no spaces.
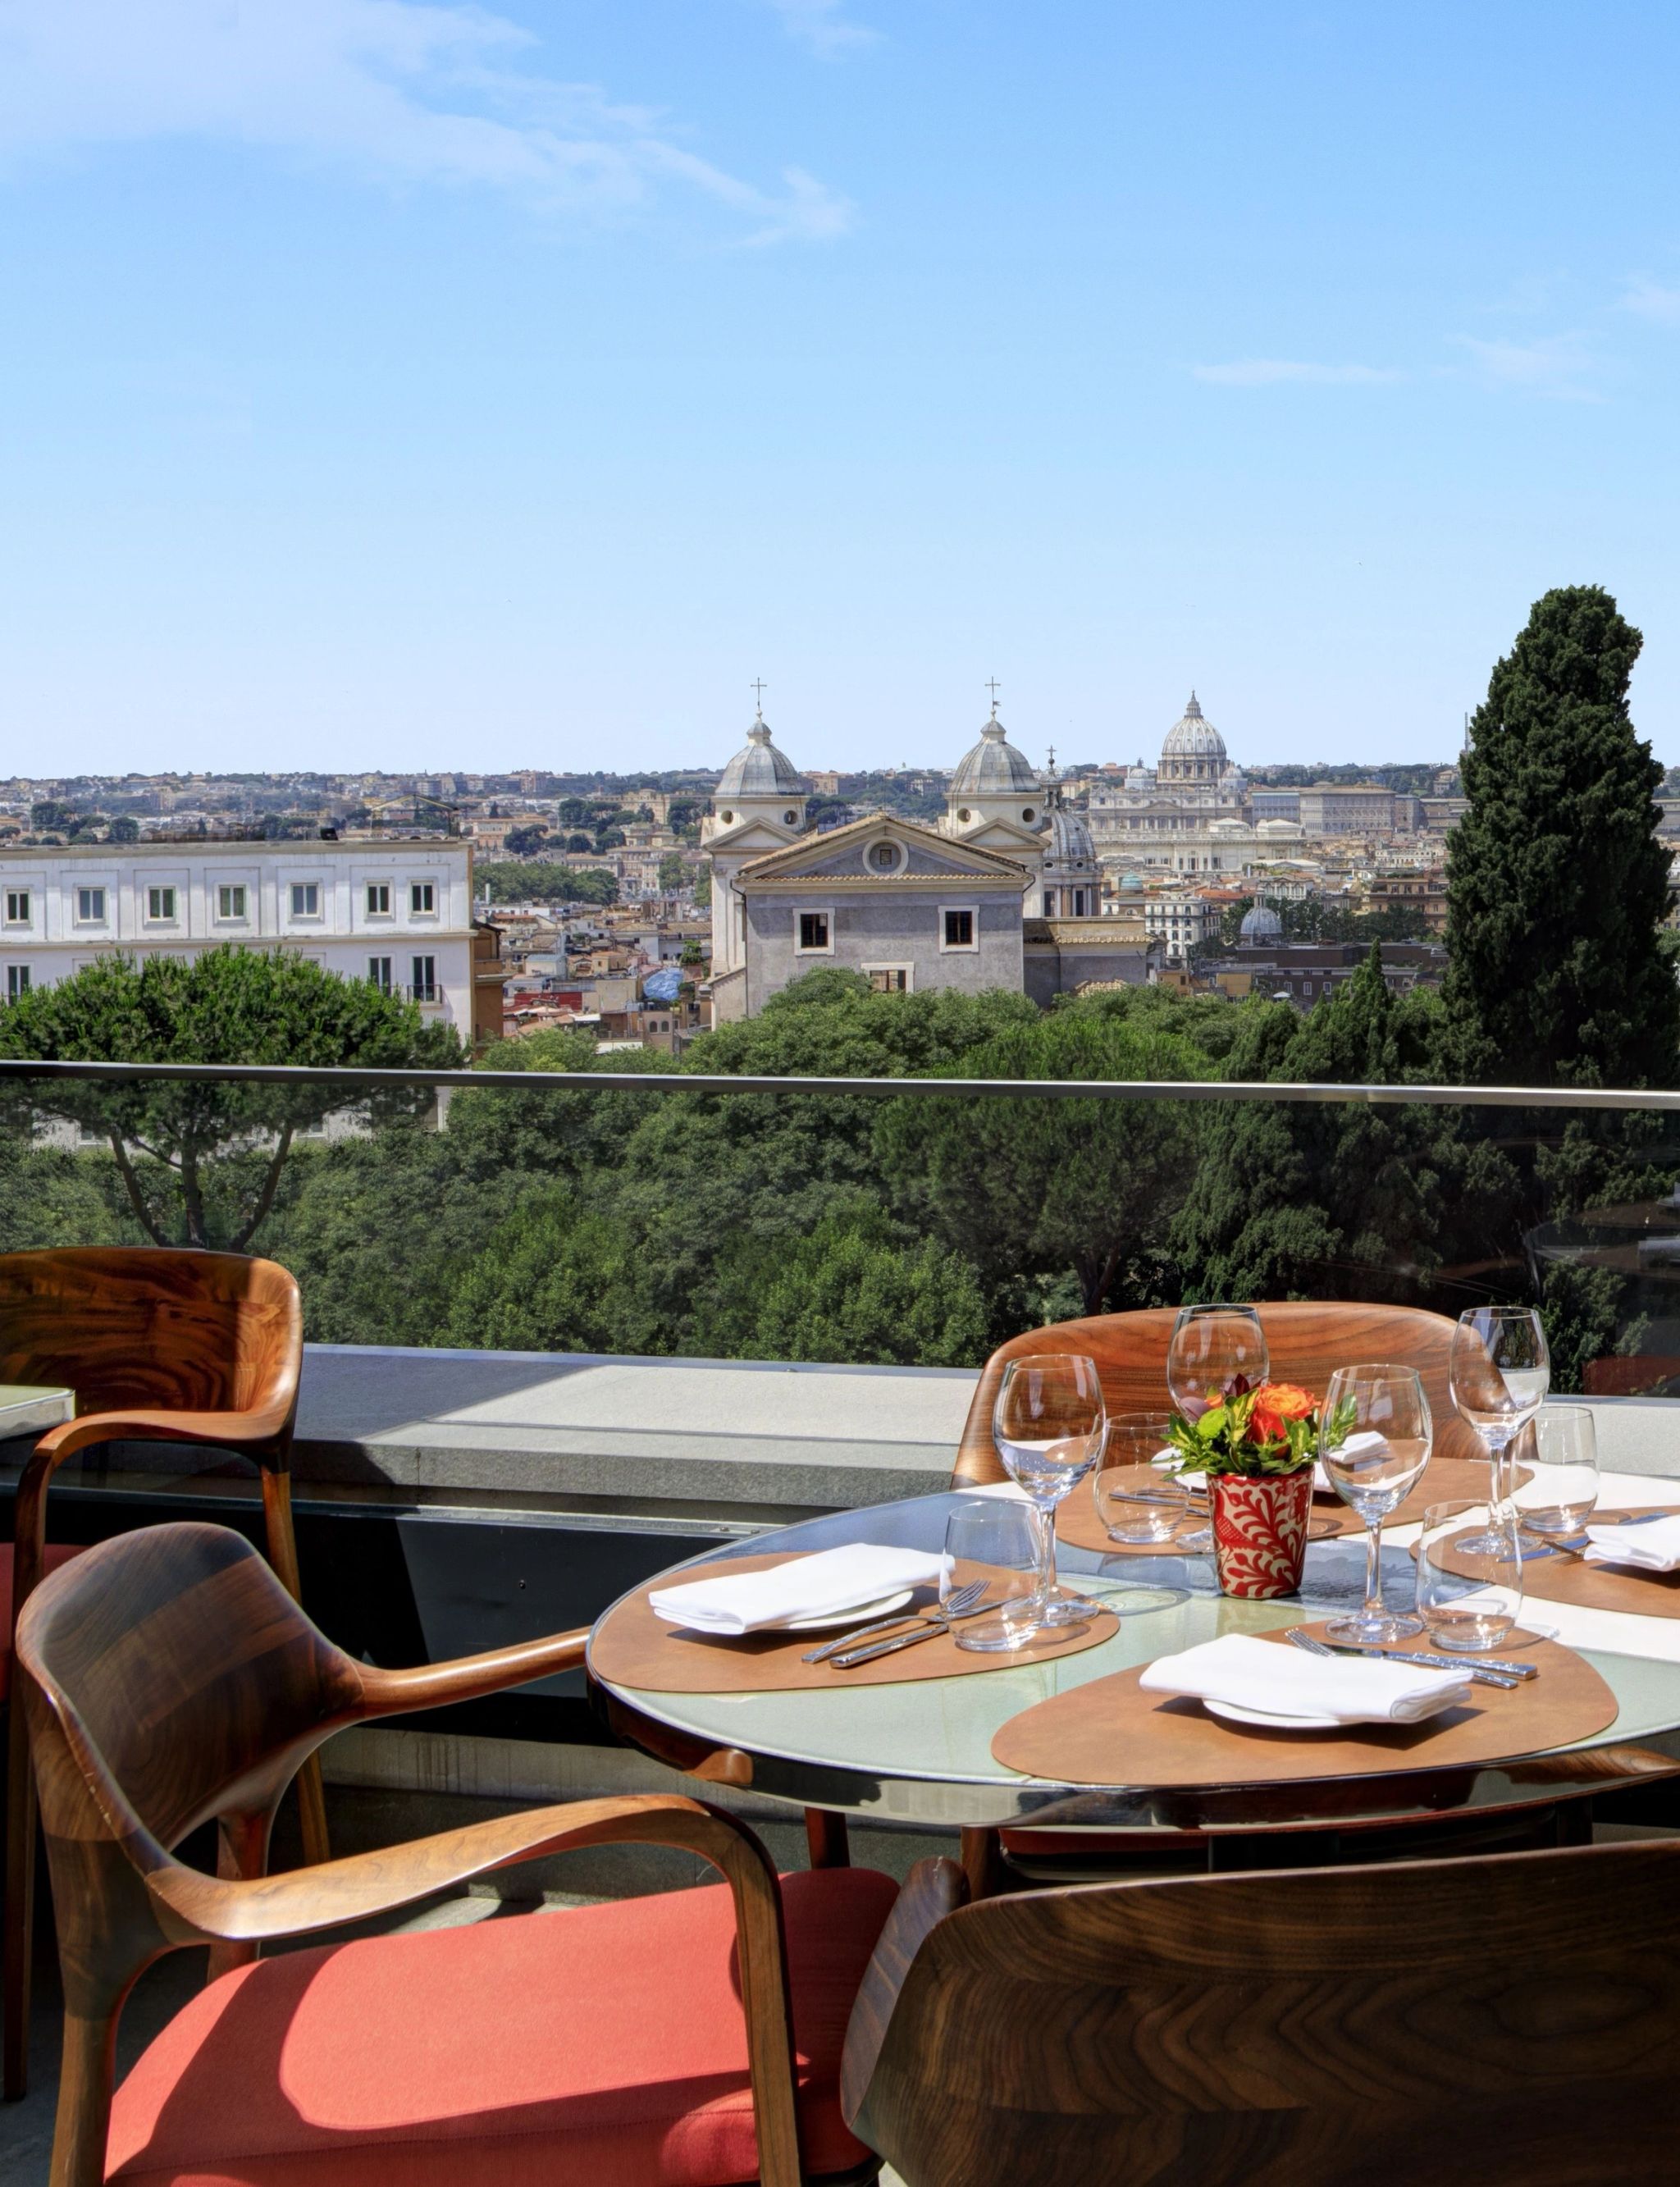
{"x":396,"y":911}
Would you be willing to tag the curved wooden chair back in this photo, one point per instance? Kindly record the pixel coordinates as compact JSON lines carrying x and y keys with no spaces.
{"x":1306,"y":1343}
{"x":146,"y":1328}
{"x":159,"y":1345}
{"x":1513,"y":2017}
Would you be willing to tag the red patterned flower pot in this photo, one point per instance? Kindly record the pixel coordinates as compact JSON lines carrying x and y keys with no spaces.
{"x":1260,"y":1532}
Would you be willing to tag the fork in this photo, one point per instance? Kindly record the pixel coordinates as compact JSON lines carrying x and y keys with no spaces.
{"x":1478,"y":1676}
{"x":962,"y":1600}
{"x":936,"y":1623}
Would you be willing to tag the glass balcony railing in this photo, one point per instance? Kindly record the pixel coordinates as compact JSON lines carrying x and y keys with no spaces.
{"x":892,"y":1219}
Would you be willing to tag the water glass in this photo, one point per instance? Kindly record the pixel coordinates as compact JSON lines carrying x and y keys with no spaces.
{"x":1001,"y":1535}
{"x":1139,"y":1498}
{"x":1212,"y":1347}
{"x":1469,"y":1598}
{"x":1500,"y":1371}
{"x":1049,"y":1423}
{"x":1560,"y":1450}
{"x":1375,"y":1433}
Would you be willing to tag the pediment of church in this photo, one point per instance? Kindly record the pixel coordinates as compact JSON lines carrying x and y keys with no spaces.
{"x":750,"y":838}
{"x":884,"y":851}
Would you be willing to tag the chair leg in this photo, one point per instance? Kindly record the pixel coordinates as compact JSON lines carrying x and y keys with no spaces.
{"x":277,"y":1511}
{"x":19,"y":1914}
{"x":827,"y":1839}
{"x":82,"y":2124}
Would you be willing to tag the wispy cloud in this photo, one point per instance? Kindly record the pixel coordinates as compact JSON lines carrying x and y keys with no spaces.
{"x":1280,"y":372}
{"x":1650,"y":299}
{"x":822,"y":25}
{"x":397,"y":91}
{"x":1564,"y":367}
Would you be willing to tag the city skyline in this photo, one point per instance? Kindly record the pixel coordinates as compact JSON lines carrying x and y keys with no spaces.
{"x":447,"y":388}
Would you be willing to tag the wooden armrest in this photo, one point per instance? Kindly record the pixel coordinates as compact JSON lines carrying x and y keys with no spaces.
{"x":199,"y":1909}
{"x":225,"y":1430}
{"x":933,"y":1889}
{"x":468,"y":1677}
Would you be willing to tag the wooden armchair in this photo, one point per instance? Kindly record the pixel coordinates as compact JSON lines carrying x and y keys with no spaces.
{"x":1458,"y":2021}
{"x":168,"y":1678}
{"x":158,"y":1345}
{"x":1307,"y":1343}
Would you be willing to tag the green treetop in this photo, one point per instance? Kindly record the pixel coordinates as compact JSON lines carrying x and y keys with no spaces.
{"x":1557,"y":885}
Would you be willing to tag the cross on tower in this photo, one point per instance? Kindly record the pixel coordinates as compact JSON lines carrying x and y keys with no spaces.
{"x":757,"y":687}
{"x":991,"y":686}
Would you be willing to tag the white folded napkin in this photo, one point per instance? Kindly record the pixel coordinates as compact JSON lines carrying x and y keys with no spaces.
{"x":1653,"y":1546}
{"x":1256,"y":1673}
{"x":1362,"y":1441}
{"x":832,"y":1580}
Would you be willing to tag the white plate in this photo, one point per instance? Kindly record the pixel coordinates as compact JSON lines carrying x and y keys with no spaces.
{"x":1234,"y":1712}
{"x":859,"y":1614}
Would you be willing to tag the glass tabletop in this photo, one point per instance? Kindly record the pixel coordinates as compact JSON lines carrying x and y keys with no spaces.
{"x":923,"y":1751}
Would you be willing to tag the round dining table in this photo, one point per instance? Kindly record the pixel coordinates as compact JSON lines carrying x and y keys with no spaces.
{"x":919,"y":1753}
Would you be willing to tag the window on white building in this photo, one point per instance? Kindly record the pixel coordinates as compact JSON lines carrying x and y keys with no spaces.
{"x":889,"y":979}
{"x":160,"y":903}
{"x":422,"y":898}
{"x":424,"y":981}
{"x":379,"y":899}
{"x":230,"y":901}
{"x":90,"y":907}
{"x":17,"y":981}
{"x":306,"y":899}
{"x":378,"y":971}
{"x":815,"y":933}
{"x":17,"y":907}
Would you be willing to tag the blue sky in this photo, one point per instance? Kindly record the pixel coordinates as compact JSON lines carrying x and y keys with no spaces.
{"x":395,"y":384}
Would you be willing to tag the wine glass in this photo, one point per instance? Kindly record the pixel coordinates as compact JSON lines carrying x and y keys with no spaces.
{"x":1560,"y":1449}
{"x":1500,"y":1372}
{"x":1049,"y":1424}
{"x":1212,"y":1347}
{"x":1374,"y":1432}
{"x":1002,"y":1538}
{"x":1470,"y":1598}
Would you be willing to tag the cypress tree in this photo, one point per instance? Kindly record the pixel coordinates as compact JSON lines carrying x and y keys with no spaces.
{"x":1556,"y":882}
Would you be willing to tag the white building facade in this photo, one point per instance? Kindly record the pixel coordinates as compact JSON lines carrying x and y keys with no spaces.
{"x":394,"y":911}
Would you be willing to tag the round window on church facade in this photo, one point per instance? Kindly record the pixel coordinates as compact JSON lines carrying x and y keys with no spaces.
{"x":963,"y":812}
{"x":1027,"y":815}
{"x":726,"y":818}
{"x":886,"y":858}
{"x":789,"y":819}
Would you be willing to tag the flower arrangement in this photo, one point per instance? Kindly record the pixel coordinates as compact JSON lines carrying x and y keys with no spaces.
{"x":1256,"y":1432}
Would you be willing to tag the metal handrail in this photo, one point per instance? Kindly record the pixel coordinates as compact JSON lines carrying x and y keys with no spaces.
{"x":1575,"y":1098}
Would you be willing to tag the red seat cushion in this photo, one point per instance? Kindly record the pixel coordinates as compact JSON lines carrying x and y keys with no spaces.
{"x":601,"y":2046}
{"x":57,"y":1553}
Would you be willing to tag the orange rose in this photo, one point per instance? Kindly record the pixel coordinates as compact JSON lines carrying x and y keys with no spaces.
{"x":1286,"y":1400}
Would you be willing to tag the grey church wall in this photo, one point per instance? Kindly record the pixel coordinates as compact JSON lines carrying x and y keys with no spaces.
{"x":887,"y":929}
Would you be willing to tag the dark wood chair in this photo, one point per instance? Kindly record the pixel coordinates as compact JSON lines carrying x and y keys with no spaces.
{"x":688,"y":2039}
{"x":1305,"y":1343}
{"x":1512,"y":2018}
{"x":158,"y":1345}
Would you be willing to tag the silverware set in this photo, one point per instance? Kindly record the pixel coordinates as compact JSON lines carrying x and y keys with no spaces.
{"x":1504,"y":1674}
{"x":925,"y":1624}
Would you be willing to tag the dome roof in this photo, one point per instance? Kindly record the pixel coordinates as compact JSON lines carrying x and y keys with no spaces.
{"x":1262,"y":923}
{"x":758,"y":770}
{"x":992,"y":767}
{"x":1193,"y":736}
{"x":1129,"y":882}
{"x":1070,"y":843}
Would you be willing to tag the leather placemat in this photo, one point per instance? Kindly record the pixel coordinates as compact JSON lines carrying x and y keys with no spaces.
{"x":1604,"y":1587}
{"x":1445,"y":1480}
{"x":1110,"y":1732}
{"x":631,"y":1647}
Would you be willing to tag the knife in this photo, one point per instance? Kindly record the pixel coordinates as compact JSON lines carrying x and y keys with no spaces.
{"x":1506,"y":1675}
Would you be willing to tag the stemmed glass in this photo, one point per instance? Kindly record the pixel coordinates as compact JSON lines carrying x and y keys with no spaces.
{"x":1501,"y":1373}
{"x":1375,"y":1433}
{"x":1049,"y":1423}
{"x":1211,"y":1347}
